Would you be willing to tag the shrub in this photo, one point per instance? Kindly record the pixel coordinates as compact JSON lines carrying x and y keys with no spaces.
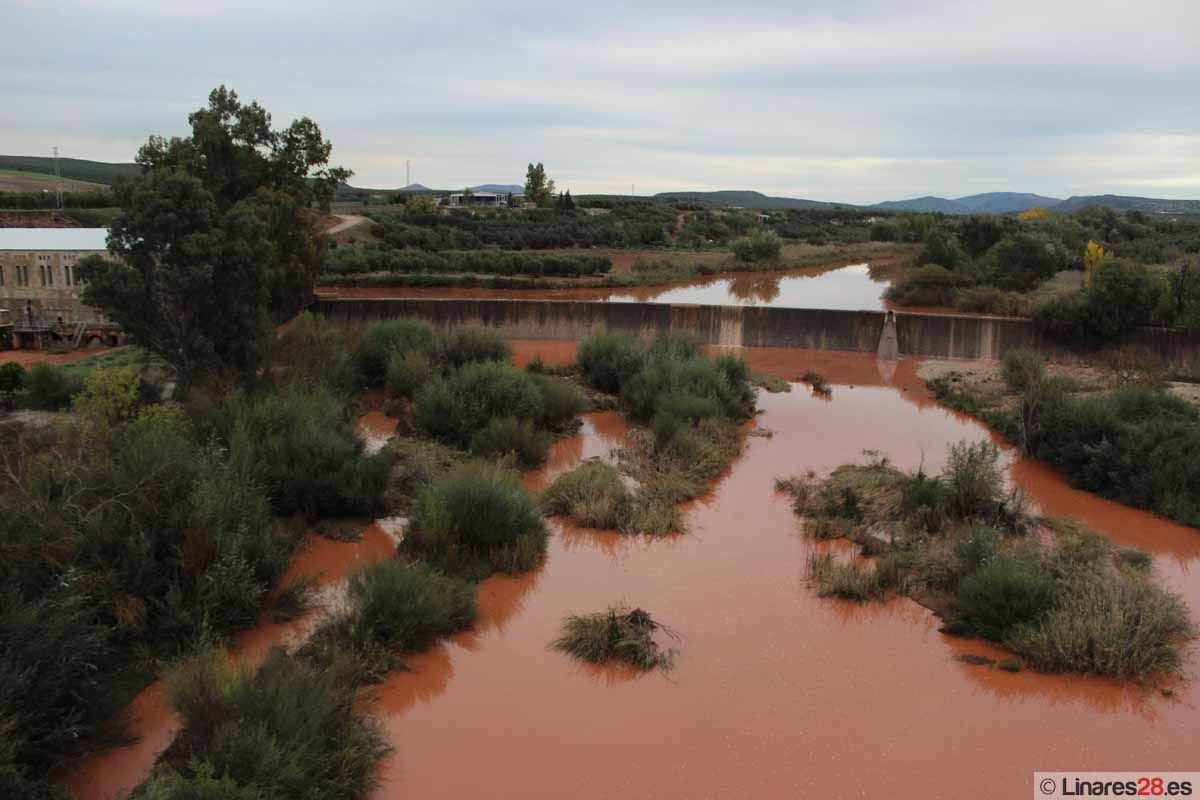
{"x":991,"y":300}
{"x":391,"y":608}
{"x":978,"y":548}
{"x":1106,"y":622}
{"x":1022,"y":368}
{"x":617,"y":634}
{"x":608,"y":359}
{"x":759,"y":245}
{"x":299,"y":447}
{"x":50,"y":388}
{"x":972,"y":479}
{"x":926,"y":285}
{"x":467,"y":345}
{"x":109,"y":396}
{"x":407,"y":372}
{"x":287,"y":729}
{"x":941,"y":247}
{"x":1021,"y":262}
{"x":12,"y":377}
{"x":561,"y":402}
{"x":313,"y":352}
{"x":1008,"y":591}
{"x":476,"y":520}
{"x":456,"y":408}
{"x":381,"y":340}
{"x":505,"y":436}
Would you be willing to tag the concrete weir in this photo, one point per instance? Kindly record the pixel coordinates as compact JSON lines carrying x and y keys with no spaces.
{"x":888,"y":334}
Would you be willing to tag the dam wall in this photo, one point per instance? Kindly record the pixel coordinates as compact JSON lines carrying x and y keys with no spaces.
{"x":930,"y":335}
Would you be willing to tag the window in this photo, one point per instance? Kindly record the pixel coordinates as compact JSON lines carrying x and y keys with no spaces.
{"x":68,"y":276}
{"x":23,"y":275}
{"x":49,"y":274}
{"x":1,"y":274}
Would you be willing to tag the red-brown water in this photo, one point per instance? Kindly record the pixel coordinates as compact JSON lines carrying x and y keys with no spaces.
{"x":775,"y":693}
{"x":844,"y":286}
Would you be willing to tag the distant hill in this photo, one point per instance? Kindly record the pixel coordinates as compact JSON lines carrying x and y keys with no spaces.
{"x":1148,"y":205}
{"x":74,"y":168}
{"x":499,"y":188}
{"x":1005,"y":202}
{"x":1015,"y":202}
{"x":412,"y":187}
{"x":925,"y":205}
{"x":743,"y":199}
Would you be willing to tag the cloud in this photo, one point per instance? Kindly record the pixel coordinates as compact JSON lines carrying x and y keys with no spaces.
{"x":858,"y":102}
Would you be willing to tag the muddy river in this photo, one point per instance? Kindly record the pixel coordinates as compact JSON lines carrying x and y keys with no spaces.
{"x":852,"y":287}
{"x":775,"y":692}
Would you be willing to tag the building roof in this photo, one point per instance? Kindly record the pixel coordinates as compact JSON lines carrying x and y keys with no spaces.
{"x":35,"y":239}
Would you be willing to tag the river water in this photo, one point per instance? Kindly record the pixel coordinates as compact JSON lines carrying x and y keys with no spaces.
{"x":775,"y":692}
{"x":852,"y":287}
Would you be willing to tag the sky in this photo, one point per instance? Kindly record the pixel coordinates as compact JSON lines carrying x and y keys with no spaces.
{"x":847,"y":101}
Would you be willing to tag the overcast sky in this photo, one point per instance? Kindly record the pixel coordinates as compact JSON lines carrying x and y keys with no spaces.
{"x":849,"y":101}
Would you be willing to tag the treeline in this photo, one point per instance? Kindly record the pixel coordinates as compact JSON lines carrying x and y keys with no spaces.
{"x":34,"y":201}
{"x":1023,"y":265}
{"x":345,"y":260}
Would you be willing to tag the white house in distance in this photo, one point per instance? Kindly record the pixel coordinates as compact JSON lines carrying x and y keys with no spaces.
{"x":478,"y":199}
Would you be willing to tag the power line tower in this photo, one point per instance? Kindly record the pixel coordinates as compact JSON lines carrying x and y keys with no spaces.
{"x":57,"y":180}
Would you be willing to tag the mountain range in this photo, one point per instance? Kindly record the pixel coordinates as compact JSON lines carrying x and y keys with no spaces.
{"x":104,"y":172}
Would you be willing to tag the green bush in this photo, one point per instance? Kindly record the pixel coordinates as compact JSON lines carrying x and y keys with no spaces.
{"x":1006,"y":592}
{"x":608,"y":359}
{"x":467,"y":345}
{"x":1023,"y":368}
{"x":562,"y":402}
{"x":50,"y":388}
{"x":313,"y":352}
{"x":972,"y":479}
{"x":456,"y":408}
{"x":382,"y":340}
{"x":287,"y":729}
{"x":12,"y":377}
{"x":407,"y":372}
{"x":618,"y":634}
{"x":474,"y":521}
{"x":391,"y":609}
{"x":508,"y":436}
{"x":759,"y":245}
{"x":300,"y":448}
{"x":926,"y":285}
{"x":1106,"y":622}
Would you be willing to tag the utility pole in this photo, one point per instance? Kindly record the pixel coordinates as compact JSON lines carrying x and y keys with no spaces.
{"x":407,"y":173}
{"x":632,"y":190}
{"x":57,"y":179}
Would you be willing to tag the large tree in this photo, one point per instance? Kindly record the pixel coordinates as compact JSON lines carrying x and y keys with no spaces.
{"x":538,"y":188}
{"x":216,"y":238}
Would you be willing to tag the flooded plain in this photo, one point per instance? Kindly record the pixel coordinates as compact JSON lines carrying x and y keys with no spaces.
{"x":775,"y":692}
{"x":850,"y":287}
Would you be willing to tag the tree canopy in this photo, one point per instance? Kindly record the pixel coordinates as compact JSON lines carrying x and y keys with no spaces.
{"x":216,"y":238}
{"x":538,"y":188}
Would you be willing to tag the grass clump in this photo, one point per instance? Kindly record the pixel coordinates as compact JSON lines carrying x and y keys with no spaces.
{"x":593,"y":494}
{"x":619,"y":635}
{"x":475,"y":520}
{"x":285,"y":729}
{"x":955,"y":542}
{"x":819,"y":383}
{"x":391,"y":609}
